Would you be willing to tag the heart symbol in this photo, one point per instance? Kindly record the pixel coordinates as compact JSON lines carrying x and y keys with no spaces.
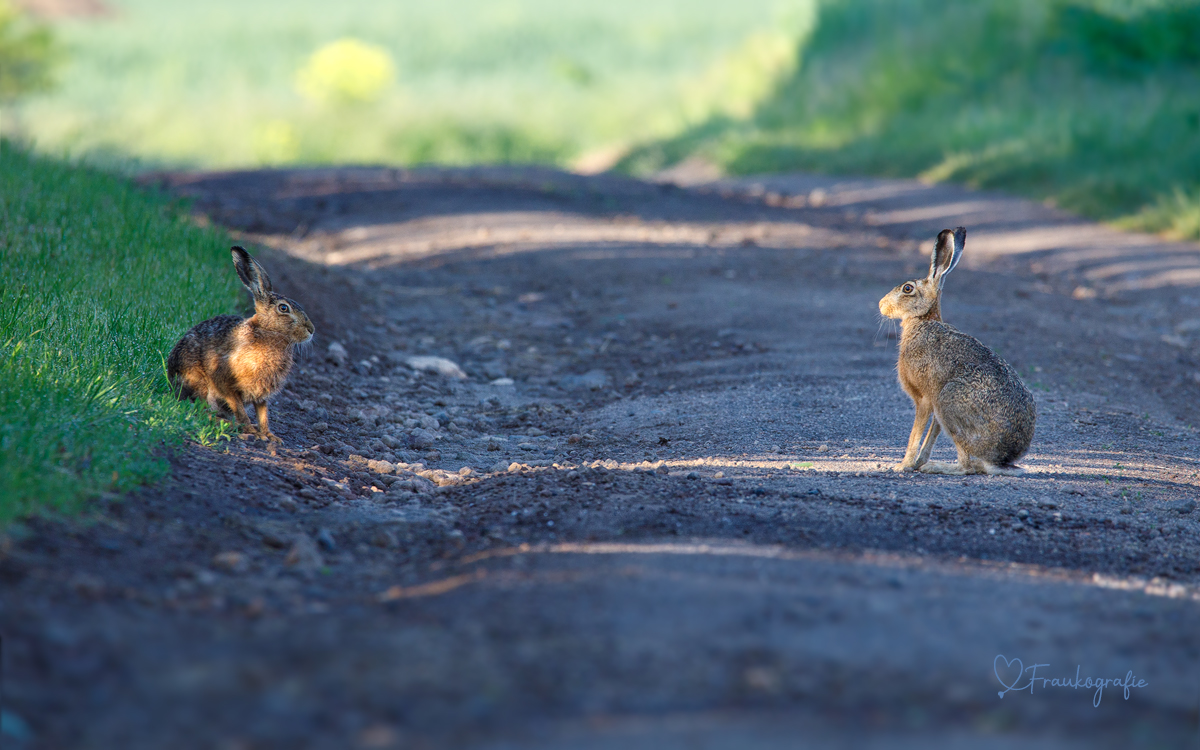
{"x":1008,"y":685}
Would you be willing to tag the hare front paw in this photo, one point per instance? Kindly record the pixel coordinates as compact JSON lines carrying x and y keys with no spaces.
{"x":270,"y":437}
{"x":902,"y":466}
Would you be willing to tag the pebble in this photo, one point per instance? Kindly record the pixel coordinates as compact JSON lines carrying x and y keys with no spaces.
{"x":1184,"y":506}
{"x":304,"y":554}
{"x":325,"y":539}
{"x":231,"y":562}
{"x":440,"y":365}
{"x":337,"y":353}
{"x":385,"y":539}
{"x":420,"y":438}
{"x":592,"y":380}
{"x":381,"y":467}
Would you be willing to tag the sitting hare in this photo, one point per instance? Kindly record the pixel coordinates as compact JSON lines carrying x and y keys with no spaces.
{"x":955,"y":382}
{"x":232,"y":361}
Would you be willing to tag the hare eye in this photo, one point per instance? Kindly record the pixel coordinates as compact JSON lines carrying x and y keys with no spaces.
{"x":283,"y":308}
{"x":907,"y":289}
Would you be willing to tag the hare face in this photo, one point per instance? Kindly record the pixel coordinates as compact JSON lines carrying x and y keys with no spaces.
{"x":912,"y":299}
{"x":283,"y":315}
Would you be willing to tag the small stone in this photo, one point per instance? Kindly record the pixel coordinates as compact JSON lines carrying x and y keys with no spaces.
{"x":231,"y":562}
{"x":1022,"y":514}
{"x":363,"y":367}
{"x":692,"y":475}
{"x":307,"y":405}
{"x":1047,"y":502}
{"x":1183,"y":506}
{"x":304,"y":554}
{"x":466,"y":471}
{"x":719,"y":475}
{"x":823,"y":449}
{"x":592,"y":380}
{"x":325,"y":539}
{"x":503,"y":382}
{"x":307,"y":493}
{"x":391,"y":441}
{"x":381,"y":467}
{"x":336,"y":486}
{"x":514,"y":467}
{"x":288,"y":504}
{"x":421,"y":438}
{"x":527,"y":446}
{"x":440,"y":365}
{"x":385,"y":539}
{"x":337,"y":354}
{"x":498,"y":467}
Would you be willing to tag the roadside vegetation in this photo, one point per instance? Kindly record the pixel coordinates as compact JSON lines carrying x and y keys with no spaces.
{"x":1089,"y":104}
{"x":97,"y":280}
{"x":230,"y":83}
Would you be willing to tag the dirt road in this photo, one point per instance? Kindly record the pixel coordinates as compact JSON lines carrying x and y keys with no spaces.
{"x":656,"y":510}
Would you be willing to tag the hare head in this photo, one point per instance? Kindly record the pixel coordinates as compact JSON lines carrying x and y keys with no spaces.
{"x":272,"y":312}
{"x":921,"y":298}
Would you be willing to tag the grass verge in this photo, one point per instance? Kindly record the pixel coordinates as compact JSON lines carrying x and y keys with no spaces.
{"x":1088,"y":104}
{"x":97,"y":281}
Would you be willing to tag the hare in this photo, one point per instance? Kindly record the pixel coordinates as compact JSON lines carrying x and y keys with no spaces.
{"x":231,"y":361}
{"x":955,"y":382}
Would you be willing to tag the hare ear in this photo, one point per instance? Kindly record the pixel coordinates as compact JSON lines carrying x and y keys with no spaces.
{"x":960,"y":242}
{"x":943,"y":257}
{"x":251,"y":274}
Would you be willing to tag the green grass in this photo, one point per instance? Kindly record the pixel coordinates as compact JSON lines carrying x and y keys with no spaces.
{"x":97,"y":281}
{"x":213,"y":84}
{"x":1089,"y":104}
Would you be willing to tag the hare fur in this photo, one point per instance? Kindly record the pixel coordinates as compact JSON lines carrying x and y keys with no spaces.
{"x":956,"y":383}
{"x":231,"y":361}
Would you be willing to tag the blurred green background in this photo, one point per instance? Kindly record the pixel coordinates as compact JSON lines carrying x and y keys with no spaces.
{"x":1091,"y":104}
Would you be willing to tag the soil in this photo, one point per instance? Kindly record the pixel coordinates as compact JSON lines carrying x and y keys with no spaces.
{"x":656,"y":510}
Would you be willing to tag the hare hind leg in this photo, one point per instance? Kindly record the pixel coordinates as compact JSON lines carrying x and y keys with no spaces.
{"x":966,"y":464}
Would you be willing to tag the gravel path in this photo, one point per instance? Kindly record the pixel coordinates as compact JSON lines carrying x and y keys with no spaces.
{"x":654,"y":510}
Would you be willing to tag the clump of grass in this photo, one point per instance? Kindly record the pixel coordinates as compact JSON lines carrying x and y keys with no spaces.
{"x":97,"y":281}
{"x":1087,"y":103}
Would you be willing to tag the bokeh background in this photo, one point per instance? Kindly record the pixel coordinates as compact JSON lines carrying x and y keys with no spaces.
{"x":1093,"y":105}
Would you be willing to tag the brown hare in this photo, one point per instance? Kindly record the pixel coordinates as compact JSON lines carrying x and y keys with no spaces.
{"x":232,"y":361}
{"x":955,"y":382}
